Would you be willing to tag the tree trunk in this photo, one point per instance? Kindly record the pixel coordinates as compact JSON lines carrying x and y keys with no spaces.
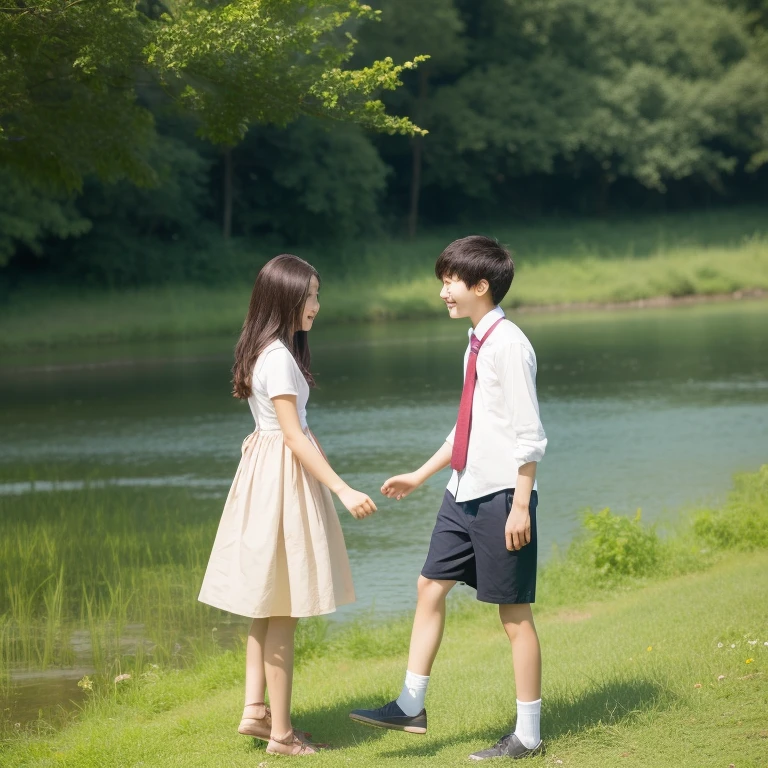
{"x":227,"y":223}
{"x":416,"y":154}
{"x":603,"y":191}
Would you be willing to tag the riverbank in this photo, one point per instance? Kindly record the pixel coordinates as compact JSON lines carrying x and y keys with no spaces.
{"x":652,"y":261}
{"x":673,"y":674}
{"x":656,"y":653}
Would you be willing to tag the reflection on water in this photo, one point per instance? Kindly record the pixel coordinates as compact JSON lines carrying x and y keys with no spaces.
{"x":651,"y":410}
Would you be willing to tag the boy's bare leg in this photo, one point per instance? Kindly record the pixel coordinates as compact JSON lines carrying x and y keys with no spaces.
{"x":526,"y":651}
{"x":407,"y":712}
{"x":526,"y":658}
{"x":428,"y":624}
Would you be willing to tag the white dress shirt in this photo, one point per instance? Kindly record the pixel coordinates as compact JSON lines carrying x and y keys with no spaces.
{"x":506,"y":430}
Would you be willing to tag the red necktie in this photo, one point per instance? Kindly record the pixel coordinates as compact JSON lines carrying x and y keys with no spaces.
{"x":464,"y":422}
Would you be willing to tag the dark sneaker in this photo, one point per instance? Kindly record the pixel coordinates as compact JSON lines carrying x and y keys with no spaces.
{"x":508,"y":746}
{"x":391,"y":716}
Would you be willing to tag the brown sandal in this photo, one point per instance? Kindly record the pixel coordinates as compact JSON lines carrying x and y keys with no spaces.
{"x":297,"y":746}
{"x":258,"y":727}
{"x":261,"y":727}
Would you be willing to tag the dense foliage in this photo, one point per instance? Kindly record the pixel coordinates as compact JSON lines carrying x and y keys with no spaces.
{"x":136,"y":142}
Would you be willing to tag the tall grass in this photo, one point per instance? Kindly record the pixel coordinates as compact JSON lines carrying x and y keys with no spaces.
{"x":125,"y":566}
{"x":122,"y":565}
{"x":559,"y":262}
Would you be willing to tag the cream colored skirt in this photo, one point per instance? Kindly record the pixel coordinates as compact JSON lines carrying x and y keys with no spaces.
{"x":279,"y":550}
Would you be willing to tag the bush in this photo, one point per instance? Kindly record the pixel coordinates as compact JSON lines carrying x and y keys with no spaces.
{"x":742,"y":523}
{"x":617,"y":545}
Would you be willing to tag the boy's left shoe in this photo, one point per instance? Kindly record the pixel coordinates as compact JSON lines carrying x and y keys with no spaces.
{"x":508,"y":746}
{"x":391,"y":716}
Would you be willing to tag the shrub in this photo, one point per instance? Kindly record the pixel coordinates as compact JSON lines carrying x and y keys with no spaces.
{"x":742,"y":523}
{"x":617,"y":545}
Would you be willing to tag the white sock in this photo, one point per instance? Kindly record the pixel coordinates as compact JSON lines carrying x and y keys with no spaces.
{"x":528,"y":727}
{"x":411,"y":699}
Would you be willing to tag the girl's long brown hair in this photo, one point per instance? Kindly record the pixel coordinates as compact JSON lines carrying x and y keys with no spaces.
{"x":275,"y":312}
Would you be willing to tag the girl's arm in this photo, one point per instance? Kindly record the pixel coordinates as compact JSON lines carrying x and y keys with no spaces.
{"x":317,"y":443}
{"x":400,"y":486}
{"x":313,"y":460}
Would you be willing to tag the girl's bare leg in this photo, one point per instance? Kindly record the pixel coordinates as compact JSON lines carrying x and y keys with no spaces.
{"x":278,"y":664}
{"x":255,"y":679}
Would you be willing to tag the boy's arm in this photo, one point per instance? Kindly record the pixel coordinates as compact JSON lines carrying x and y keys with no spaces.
{"x":518,"y":380}
{"x":519,"y":384}
{"x":517,"y":530}
{"x":400,"y":486}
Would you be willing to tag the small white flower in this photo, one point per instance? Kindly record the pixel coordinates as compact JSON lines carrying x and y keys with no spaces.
{"x":733,"y":645}
{"x":752,"y":642}
{"x":120,"y":678}
{"x":721,"y":677}
{"x":719,"y":645}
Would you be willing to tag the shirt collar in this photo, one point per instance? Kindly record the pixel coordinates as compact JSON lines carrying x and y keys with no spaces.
{"x":488,"y":320}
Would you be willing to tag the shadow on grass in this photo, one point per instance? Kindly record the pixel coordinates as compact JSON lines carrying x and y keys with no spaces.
{"x":610,"y":703}
{"x":333,"y":726}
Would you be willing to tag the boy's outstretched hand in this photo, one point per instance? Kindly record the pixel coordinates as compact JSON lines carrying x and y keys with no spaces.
{"x":400,"y":486}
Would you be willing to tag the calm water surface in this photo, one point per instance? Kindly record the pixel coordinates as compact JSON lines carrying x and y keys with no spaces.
{"x":650,"y":409}
{"x":645,"y":409}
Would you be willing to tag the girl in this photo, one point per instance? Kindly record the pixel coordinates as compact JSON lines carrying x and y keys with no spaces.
{"x":279,"y":552}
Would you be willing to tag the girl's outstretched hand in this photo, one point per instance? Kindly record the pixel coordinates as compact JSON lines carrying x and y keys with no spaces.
{"x":359,"y":504}
{"x":400,"y":486}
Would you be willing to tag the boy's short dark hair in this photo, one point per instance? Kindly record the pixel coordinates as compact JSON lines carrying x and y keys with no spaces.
{"x":475,"y":258}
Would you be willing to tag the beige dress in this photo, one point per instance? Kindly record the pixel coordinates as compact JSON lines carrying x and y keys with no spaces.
{"x":279,"y":550}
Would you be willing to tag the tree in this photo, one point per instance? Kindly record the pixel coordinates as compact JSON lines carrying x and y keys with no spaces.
{"x":650,"y":92}
{"x":309,"y":182}
{"x":434,"y":28}
{"x":70,"y":73}
{"x":28,"y":217}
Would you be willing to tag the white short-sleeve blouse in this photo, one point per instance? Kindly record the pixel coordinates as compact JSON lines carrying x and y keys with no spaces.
{"x":276,"y":373}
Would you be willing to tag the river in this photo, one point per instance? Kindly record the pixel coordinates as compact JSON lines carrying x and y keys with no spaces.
{"x":651,"y":410}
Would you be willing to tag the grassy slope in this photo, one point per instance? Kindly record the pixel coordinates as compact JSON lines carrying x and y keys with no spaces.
{"x":608,"y":700}
{"x":558,"y":263}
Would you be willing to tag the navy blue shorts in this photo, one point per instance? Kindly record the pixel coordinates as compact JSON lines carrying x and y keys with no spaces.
{"x":468,"y":545}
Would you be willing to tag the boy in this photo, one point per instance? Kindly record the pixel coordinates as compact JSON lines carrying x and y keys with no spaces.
{"x":485,"y":534}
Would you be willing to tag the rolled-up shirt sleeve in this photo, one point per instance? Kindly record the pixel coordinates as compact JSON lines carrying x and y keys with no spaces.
{"x":519,"y":384}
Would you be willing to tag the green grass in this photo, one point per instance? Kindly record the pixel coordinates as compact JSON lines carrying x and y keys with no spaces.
{"x":620,"y":688}
{"x":630,"y":623}
{"x":100,"y":560}
{"x":559,"y":262}
{"x":103,"y":560}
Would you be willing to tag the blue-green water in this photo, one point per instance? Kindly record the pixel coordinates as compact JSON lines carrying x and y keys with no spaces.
{"x":651,"y":409}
